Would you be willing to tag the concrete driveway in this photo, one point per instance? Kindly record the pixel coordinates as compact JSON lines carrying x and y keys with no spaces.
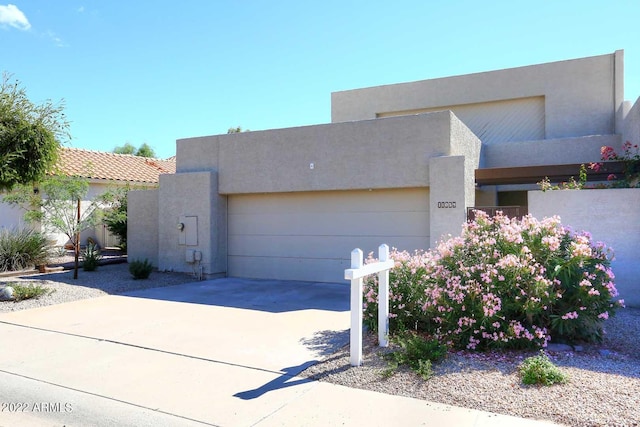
{"x":222,"y":352}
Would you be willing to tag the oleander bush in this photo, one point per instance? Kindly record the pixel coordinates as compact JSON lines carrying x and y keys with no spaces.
{"x":503,"y":283}
{"x":22,"y":248}
{"x":140,"y":269}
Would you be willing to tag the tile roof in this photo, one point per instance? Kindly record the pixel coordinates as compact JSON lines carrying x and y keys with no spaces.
{"x":113,"y":167}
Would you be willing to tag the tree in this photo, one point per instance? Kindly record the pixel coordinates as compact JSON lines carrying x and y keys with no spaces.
{"x":30,"y":135}
{"x":127,"y":148}
{"x":237,"y":130}
{"x":145,"y":150}
{"x":57,"y":205}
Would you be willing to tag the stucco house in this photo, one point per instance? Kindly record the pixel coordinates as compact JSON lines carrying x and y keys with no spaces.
{"x":104,"y":171}
{"x":398,"y":164}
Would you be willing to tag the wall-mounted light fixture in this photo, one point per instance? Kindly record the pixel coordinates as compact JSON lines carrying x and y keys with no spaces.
{"x":180,"y":226}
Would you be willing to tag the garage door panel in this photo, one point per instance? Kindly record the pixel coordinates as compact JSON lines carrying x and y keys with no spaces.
{"x":335,"y":247}
{"x":325,"y":224}
{"x":331,"y":201}
{"x":309,"y":236}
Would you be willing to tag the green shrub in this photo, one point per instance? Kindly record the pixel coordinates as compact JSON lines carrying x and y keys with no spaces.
{"x":22,"y":248}
{"x":140,"y":269}
{"x":21,"y":293}
{"x":540,"y":370}
{"x":504,"y":283}
{"x":417,"y":352}
{"x":91,"y":258}
{"x":115,"y":216}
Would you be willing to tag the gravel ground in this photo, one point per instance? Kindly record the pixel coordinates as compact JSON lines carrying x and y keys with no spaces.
{"x":603,"y":387}
{"x":106,"y":280}
{"x":603,"y":390}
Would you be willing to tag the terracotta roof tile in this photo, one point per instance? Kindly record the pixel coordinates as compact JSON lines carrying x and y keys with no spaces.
{"x":113,"y":167}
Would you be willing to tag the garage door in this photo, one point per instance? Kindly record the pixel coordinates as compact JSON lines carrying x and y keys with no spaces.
{"x":309,"y":236}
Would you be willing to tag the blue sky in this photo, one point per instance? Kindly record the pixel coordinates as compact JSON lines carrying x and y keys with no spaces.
{"x":156,"y":71}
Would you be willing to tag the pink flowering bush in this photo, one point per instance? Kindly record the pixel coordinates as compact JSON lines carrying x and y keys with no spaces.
{"x":504,"y":283}
{"x":631,"y":160}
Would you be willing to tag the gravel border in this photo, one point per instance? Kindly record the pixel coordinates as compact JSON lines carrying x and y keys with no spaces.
{"x":603,"y":390}
{"x":106,"y":280}
{"x":603,"y":387}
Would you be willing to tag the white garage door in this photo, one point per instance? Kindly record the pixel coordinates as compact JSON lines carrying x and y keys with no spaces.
{"x":309,"y":236}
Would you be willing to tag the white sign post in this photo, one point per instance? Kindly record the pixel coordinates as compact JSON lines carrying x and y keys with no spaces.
{"x":383,"y":298}
{"x":356,"y":274}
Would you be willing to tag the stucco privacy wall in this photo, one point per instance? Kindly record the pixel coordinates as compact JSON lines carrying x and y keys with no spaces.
{"x":382,"y":153}
{"x":142,"y":225}
{"x":581,"y":96}
{"x":611,"y":216}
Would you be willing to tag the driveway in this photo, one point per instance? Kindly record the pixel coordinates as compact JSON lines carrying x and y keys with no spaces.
{"x":220,"y":352}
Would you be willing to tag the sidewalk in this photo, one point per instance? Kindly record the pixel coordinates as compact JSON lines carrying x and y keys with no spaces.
{"x":148,"y":359}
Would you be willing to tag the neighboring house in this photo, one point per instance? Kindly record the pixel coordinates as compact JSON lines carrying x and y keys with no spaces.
{"x":104,"y":171}
{"x":397,"y":165}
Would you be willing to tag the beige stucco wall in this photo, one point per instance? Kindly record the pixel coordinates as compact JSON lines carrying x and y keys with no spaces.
{"x":452,"y":180}
{"x":465,"y":143}
{"x":383,"y":153}
{"x":142,"y":225}
{"x":192,"y":194}
{"x":611,"y":216}
{"x":447,"y":203}
{"x":551,"y":151}
{"x":198,"y":154}
{"x":632,"y":124}
{"x":581,"y":96}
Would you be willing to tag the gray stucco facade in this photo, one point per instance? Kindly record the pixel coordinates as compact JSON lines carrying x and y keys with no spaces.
{"x":395,"y":166}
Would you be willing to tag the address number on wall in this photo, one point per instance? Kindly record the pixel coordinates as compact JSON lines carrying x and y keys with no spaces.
{"x":446,"y":205}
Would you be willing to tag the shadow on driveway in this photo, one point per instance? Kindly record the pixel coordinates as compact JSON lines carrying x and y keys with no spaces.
{"x":274,"y":296}
{"x":287,"y":379}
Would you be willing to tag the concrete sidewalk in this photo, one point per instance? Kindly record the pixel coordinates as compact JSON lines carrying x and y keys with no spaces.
{"x":228,"y":356}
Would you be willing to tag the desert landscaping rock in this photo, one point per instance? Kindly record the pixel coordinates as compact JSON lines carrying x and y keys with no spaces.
{"x":6,"y":293}
{"x":559,"y":347}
